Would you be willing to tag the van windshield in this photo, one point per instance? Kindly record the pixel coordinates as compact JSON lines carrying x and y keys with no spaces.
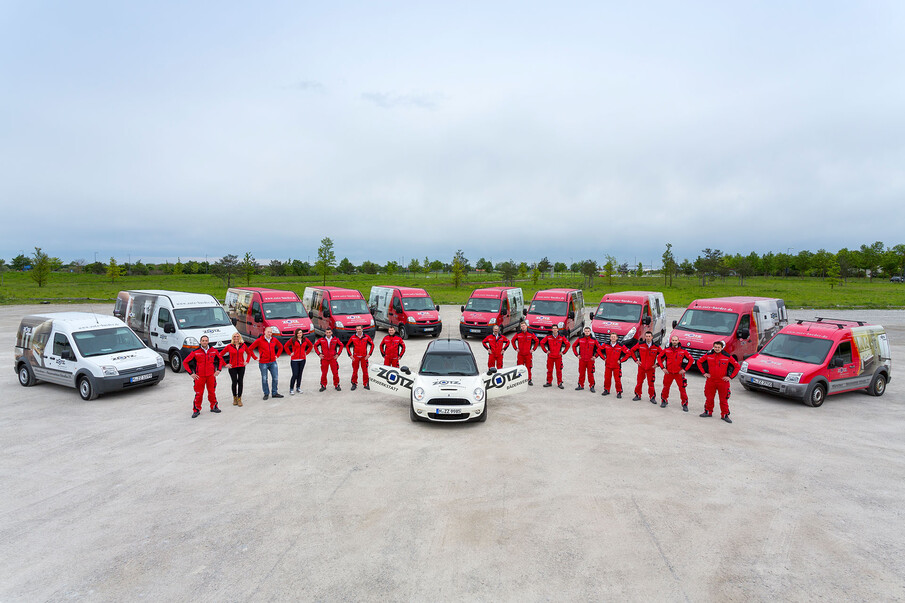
{"x":106,"y":341}
{"x":284,"y":310}
{"x":345,"y":307}
{"x":798,"y":348}
{"x":618,"y":312}
{"x":545,"y":307}
{"x":448,"y":365}
{"x":483,"y":304}
{"x":708,"y":321}
{"x":417,"y":303}
{"x":199,"y":318}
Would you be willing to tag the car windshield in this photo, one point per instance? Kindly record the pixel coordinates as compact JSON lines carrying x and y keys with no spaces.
{"x":545,"y":307}
{"x":106,"y":341}
{"x":417,"y":303}
{"x":798,"y":348}
{"x":344,"y":307}
{"x":708,"y":321}
{"x":200,"y":318}
{"x":482,"y":304}
{"x":617,"y":312}
{"x":284,"y":310}
{"x":448,"y":365}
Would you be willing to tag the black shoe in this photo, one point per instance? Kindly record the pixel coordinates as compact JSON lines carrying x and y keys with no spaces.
{"x":322,"y":389}
{"x":706,"y":414}
{"x":606,"y":392}
{"x":618,"y":394}
{"x":195,"y":414}
{"x":354,"y":386}
{"x":267,"y":396}
{"x":726,"y":418}
{"x":530,"y":382}
{"x":277,"y":395}
{"x":663,"y":404}
{"x":548,"y":385}
{"x":653,"y":399}
{"x":367,"y":387}
{"x":338,"y":388}
{"x":560,"y":386}
{"x":684,"y":408}
{"x":215,"y":409}
{"x":636,"y":398}
{"x":592,"y":389}
{"x":579,"y":388}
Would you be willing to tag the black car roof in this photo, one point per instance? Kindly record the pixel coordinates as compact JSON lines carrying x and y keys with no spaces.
{"x":448,"y":346}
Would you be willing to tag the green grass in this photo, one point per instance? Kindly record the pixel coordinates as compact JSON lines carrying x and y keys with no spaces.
{"x":19,"y":288}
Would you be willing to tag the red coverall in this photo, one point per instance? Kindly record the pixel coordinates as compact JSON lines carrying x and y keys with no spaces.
{"x":717,"y":366}
{"x":205,"y":364}
{"x":392,"y":348}
{"x":329,"y":351}
{"x":555,"y":347}
{"x":672,"y":360}
{"x":646,"y":355}
{"x":359,"y":350}
{"x":525,"y":344}
{"x":495,"y":346}
{"x":586,"y":349}
{"x":613,"y":356}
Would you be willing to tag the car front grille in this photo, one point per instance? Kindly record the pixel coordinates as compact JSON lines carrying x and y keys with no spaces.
{"x":448,"y":402}
{"x":458,"y":417}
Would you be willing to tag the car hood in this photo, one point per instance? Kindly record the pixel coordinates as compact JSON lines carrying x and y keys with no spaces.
{"x":479,"y":316}
{"x":449,"y":387}
{"x":284,"y":324}
{"x":353,"y":320}
{"x":779,"y":367}
{"x":612,"y":326}
{"x":698,"y":341}
{"x":423,"y":314}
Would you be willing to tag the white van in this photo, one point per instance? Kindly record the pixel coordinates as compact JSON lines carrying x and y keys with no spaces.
{"x":173,"y":322}
{"x":94,"y":353}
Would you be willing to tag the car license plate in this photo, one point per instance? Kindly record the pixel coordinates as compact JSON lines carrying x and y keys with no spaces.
{"x":763,"y":382}
{"x":447,"y":411}
{"x":428,"y":330}
{"x":475,"y":330}
{"x":140,"y":378}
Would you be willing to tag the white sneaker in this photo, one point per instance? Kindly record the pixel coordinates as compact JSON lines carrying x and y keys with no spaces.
{"x":298,"y":391}
{"x":291,"y":393}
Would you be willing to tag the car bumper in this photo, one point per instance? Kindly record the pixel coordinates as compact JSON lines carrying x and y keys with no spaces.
{"x":448,"y":414}
{"x":475,"y":330}
{"x":345,"y":335}
{"x":773,"y":386}
{"x":106,"y":385}
{"x":424,"y":329}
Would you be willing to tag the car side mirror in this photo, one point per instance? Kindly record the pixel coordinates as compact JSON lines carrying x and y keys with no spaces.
{"x":645,"y":320}
{"x":406,"y":370}
{"x":743,"y":333}
{"x":437,"y":307}
{"x":674,"y":323}
{"x":491,"y":371}
{"x":571,"y":315}
{"x":169,"y":328}
{"x":462,"y":308}
{"x":310,"y":313}
{"x":836,"y":363}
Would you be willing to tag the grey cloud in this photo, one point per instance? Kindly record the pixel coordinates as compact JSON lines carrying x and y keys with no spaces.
{"x":386,"y":100}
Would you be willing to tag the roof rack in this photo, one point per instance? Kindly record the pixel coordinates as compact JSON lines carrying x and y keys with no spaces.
{"x":840,"y":323}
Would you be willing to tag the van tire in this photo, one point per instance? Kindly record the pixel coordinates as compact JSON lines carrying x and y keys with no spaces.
{"x":86,"y":390}
{"x":816,"y":395}
{"x":175,"y":362}
{"x":877,"y":385}
{"x":26,"y":376}
{"x":402,"y":332}
{"x":435,"y":334}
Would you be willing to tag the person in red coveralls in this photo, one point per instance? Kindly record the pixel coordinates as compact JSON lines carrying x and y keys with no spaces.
{"x":270,"y":349}
{"x":204,"y":365}
{"x":719,"y":368}
{"x":586,"y":348}
{"x":235,"y":356}
{"x":524,"y":342}
{"x":495,"y":344}
{"x":298,"y":349}
{"x":674,"y":360}
{"x":613,"y":355}
{"x":360,"y":348}
{"x":328,"y":348}
{"x":645,"y":356}
{"x":555,"y":345}
{"x":392,"y":348}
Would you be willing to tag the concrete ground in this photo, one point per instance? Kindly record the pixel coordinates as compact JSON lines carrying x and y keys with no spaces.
{"x":560,"y":495}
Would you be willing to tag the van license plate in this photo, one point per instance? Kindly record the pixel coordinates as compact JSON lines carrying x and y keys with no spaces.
{"x":475,"y":330}
{"x":140,"y":378}
{"x":447,"y":411}
{"x":763,"y":382}
{"x":429,"y":330}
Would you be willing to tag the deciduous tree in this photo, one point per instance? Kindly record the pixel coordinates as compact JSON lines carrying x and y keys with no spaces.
{"x":326,"y":259}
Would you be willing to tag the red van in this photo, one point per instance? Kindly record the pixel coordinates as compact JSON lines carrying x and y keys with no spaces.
{"x":338,"y":309}
{"x":563,"y":308}
{"x":410,"y":310}
{"x":629,"y":314}
{"x":252,"y":309}
{"x":492,"y":306}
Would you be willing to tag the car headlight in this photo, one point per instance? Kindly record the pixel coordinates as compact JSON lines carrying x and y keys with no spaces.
{"x":339,"y":324}
{"x":110,"y":371}
{"x":478,"y":394}
{"x":159,"y":361}
{"x":462,"y":318}
{"x":793,"y":377}
{"x":492,"y":321}
{"x":418,"y":393}
{"x":631,"y":333}
{"x":411,"y":319}
{"x":744,"y":368}
{"x":560,"y":324}
{"x":190,"y":342}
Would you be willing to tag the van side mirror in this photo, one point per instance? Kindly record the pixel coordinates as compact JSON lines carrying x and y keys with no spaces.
{"x":67,"y":355}
{"x":743,"y":333}
{"x":326,"y":313}
{"x":462,"y":308}
{"x":169,"y":328}
{"x":406,"y":370}
{"x":372,"y":311}
{"x":674,"y":323}
{"x":591,"y":315}
{"x":437,"y":307}
{"x":836,"y":363}
{"x":571,"y":315}
{"x":310,"y":313}
{"x":491,"y":371}
{"x":645,"y":320}
{"x":524,"y":311}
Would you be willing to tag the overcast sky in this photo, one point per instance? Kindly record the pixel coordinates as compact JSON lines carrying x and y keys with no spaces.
{"x":399,"y":129}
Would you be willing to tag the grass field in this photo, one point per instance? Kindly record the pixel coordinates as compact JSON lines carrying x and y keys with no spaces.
{"x":19,"y":288}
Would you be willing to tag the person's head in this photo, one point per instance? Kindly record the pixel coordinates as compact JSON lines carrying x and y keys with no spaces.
{"x":328,"y":333}
{"x":555,"y":331}
{"x":613,"y":338}
{"x":236,"y":339}
{"x":674,"y":341}
{"x":648,"y":337}
{"x":718,"y":346}
{"x":391,"y":330}
{"x":300,"y":334}
{"x":205,"y":341}
{"x":523,"y":326}
{"x":359,"y":331}
{"x":496,"y":329}
{"x":587,"y":331}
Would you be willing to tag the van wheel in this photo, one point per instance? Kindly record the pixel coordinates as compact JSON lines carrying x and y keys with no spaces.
{"x":878,"y":385}
{"x":435,"y":334}
{"x":26,"y":377}
{"x":86,"y":390}
{"x":175,"y":362}
{"x":402,"y":332}
{"x":816,"y":396}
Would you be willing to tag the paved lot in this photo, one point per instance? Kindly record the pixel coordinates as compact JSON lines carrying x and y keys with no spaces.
{"x":561,"y":495}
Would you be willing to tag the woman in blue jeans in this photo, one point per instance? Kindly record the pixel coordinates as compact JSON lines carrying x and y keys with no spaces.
{"x":298,"y":348}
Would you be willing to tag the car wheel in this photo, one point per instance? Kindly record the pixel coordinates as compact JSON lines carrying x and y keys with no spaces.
{"x":175,"y":362}
{"x":412,"y":414}
{"x":878,"y":385}
{"x":816,"y":395}
{"x":26,"y":377}
{"x":402,"y":332}
{"x":86,"y":390}
{"x":747,"y":387}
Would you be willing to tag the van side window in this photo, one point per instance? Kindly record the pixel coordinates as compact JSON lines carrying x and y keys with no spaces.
{"x":506,"y":306}
{"x":256,"y":312}
{"x":745,"y":322}
{"x":844,"y":352}
{"x":60,"y":344}
{"x":163,"y":317}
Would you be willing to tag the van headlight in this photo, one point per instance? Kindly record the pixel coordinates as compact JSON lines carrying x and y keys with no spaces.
{"x":190,"y":342}
{"x":462,"y":318}
{"x":560,"y":324}
{"x":411,"y":319}
{"x":478,"y":394}
{"x":339,"y":325}
{"x":492,"y":321}
{"x":631,"y":333}
{"x":418,"y":393}
{"x":159,"y":361}
{"x":793,"y":377}
{"x":744,"y":368}
{"x":110,"y":371}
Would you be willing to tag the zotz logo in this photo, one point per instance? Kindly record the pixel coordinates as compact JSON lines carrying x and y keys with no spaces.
{"x":394,"y":378}
{"x":499,"y":380}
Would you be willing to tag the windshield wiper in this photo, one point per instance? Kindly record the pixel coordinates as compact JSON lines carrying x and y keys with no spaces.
{"x":460,"y":374}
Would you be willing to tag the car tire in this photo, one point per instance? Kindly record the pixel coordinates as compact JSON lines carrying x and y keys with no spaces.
{"x":402,"y":332}
{"x":412,"y":414}
{"x":86,"y":390}
{"x":483,"y":417}
{"x":816,"y":395}
{"x":747,"y":387}
{"x":175,"y":362}
{"x":878,"y":385}
{"x":26,"y":376}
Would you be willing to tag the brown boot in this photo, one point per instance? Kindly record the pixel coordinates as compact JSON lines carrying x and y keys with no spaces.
{"x":239,"y":401}
{"x":235,"y":400}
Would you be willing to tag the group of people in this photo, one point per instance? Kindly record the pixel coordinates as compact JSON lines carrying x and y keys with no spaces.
{"x":205,"y":363}
{"x":717,"y":366}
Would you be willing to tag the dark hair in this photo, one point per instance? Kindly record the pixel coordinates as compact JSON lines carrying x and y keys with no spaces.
{"x":648,"y":332}
{"x":297,"y":331}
